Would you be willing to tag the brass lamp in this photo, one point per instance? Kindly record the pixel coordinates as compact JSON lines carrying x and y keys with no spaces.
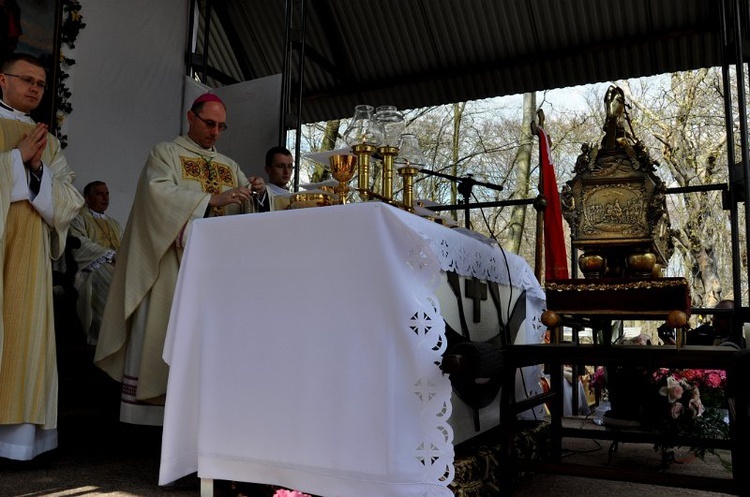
{"x":363,"y":151}
{"x":392,"y":122}
{"x":408,"y":161}
{"x":388,"y":153}
{"x":363,"y":135}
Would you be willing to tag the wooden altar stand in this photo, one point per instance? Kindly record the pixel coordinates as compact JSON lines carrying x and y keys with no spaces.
{"x":597,"y":303}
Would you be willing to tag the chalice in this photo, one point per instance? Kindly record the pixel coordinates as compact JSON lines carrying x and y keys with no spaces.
{"x":343,"y":168}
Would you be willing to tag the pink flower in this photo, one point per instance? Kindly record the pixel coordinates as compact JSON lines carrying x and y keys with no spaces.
{"x":714,"y":379}
{"x":710,"y":378}
{"x":676,"y":410}
{"x":289,"y":493}
{"x":660,"y":373}
{"x":598,"y":380}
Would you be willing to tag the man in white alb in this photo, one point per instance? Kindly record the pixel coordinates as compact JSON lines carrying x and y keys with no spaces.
{"x":37,"y":203}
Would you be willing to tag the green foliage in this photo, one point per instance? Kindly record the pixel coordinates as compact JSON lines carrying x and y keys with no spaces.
{"x":71,"y":25}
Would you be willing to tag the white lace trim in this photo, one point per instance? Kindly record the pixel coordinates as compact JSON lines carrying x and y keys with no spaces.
{"x":433,"y":454}
{"x":484,"y":260}
{"x":450,"y":250}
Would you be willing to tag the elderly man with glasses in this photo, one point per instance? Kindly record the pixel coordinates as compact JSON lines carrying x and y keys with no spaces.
{"x":37,"y":203}
{"x":183,"y":180}
{"x":100,"y":235}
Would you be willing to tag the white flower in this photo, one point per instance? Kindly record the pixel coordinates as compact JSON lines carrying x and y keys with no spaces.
{"x":673,"y":391}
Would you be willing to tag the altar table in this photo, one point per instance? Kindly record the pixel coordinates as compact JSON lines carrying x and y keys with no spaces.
{"x":304,"y":348}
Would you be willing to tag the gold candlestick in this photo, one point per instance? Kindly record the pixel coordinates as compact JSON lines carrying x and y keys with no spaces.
{"x":388,"y":154}
{"x":407,"y":174}
{"x":363,"y":151}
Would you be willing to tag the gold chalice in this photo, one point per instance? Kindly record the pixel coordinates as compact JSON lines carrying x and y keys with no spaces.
{"x":343,"y":168}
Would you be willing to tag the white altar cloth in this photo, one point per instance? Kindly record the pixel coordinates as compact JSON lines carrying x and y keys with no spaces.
{"x":303,"y":348}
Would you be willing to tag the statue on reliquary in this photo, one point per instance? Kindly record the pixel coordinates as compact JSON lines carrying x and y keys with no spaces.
{"x":615,"y":205}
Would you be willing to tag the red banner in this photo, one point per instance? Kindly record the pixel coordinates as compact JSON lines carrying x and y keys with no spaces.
{"x":555,"y":254}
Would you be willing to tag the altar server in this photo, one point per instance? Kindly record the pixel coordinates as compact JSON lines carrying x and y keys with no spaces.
{"x":37,"y":203}
{"x":279,"y":168}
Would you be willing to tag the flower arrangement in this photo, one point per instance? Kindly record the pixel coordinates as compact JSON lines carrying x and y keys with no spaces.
{"x":695,"y":401}
{"x":673,"y":402}
{"x":710,"y":382}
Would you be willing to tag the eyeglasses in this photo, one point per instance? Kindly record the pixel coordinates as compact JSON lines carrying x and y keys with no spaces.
{"x":29,"y":81}
{"x":212,"y":124}
{"x":288,"y":167}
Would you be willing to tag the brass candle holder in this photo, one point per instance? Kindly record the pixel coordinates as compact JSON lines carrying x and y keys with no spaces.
{"x":388,"y":153}
{"x":363,"y":151}
{"x":407,"y":174}
{"x":409,"y":160}
{"x":392,"y":123}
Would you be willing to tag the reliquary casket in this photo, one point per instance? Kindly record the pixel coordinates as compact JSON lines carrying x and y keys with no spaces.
{"x":615,"y":204}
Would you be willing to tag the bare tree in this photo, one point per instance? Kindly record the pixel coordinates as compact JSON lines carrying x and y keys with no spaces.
{"x":523,"y":173}
{"x":686,"y":123}
{"x":480,"y":140}
{"x":330,"y":135}
{"x":458,"y":112}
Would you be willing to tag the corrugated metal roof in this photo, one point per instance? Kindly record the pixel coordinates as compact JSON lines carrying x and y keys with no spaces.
{"x":415,"y":53}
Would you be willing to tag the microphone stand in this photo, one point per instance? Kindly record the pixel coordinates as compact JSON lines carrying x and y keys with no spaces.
{"x":465,"y":185}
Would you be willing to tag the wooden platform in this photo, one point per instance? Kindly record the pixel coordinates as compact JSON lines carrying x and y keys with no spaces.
{"x":477,"y":461}
{"x":737,"y":365}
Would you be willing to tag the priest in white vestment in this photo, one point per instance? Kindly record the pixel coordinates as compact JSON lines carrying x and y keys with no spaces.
{"x":183,"y":180}
{"x":37,"y":203}
{"x":100,"y":240}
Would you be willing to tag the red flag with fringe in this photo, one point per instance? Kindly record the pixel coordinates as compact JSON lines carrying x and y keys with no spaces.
{"x":555,"y":253}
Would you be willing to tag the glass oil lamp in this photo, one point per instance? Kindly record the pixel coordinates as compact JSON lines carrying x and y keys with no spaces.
{"x":363,"y":135}
{"x":408,"y":162}
{"x":392,"y":122}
